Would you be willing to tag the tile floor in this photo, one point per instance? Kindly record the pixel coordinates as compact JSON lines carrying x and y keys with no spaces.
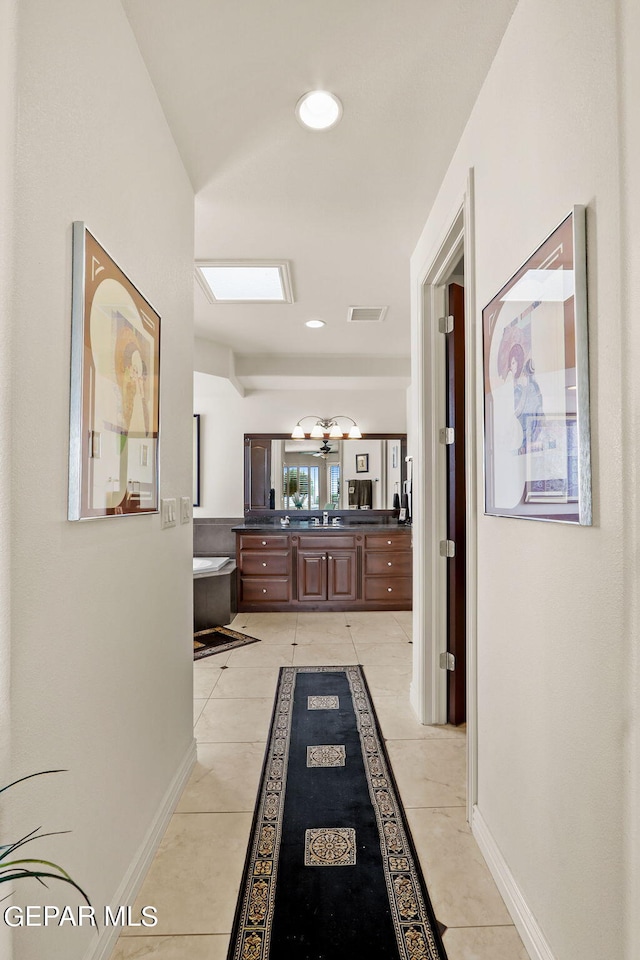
{"x":195,"y":876}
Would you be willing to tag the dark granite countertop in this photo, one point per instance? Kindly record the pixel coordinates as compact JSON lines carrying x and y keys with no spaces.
{"x":353,"y":526}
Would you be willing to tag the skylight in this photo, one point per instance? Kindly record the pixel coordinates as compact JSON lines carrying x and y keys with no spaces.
{"x":260,"y":281}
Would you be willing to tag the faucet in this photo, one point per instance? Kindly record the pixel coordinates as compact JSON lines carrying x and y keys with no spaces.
{"x":325,"y":518}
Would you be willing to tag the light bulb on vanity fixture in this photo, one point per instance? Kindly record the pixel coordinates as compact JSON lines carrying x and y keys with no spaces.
{"x":326,"y":425}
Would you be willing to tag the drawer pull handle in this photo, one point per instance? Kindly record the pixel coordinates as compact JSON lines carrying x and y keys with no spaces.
{"x":264,"y":589}
{"x":264,"y":564}
{"x":389,"y":542}
{"x":264,"y":543}
{"x":389,"y":564}
{"x":389,"y":589}
{"x":330,"y":558}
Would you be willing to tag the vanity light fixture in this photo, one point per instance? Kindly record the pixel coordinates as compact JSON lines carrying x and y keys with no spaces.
{"x":318,"y":110}
{"x":314,"y":324}
{"x":328,"y":425}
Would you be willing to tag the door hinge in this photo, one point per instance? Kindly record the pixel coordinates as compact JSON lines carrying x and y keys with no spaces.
{"x":447,"y":435}
{"x":445,"y":324}
{"x":447,"y":548}
{"x":447,"y":661}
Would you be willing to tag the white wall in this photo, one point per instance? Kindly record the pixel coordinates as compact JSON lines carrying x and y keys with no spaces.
{"x":101,"y":653}
{"x":373,"y":448}
{"x":8,"y":42}
{"x":629,"y":74}
{"x":226,"y":417}
{"x":551,"y":658}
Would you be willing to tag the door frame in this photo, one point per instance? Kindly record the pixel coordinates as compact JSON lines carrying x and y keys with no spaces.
{"x":429,"y":686}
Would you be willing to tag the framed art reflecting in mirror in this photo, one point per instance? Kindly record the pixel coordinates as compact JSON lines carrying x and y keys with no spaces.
{"x":536,"y":385}
{"x":115,"y":382}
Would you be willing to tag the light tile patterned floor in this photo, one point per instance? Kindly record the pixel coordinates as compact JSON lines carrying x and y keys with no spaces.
{"x":195,"y":876}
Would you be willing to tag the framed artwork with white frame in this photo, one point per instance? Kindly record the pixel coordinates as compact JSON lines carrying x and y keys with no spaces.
{"x":536,"y":385}
{"x":115,"y":389}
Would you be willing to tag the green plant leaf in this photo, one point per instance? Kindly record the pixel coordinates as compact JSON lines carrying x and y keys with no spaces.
{"x":34,"y":835}
{"x":22,"y":873}
{"x":16,"y":869}
{"x":46,"y":863}
{"x":41,"y":773}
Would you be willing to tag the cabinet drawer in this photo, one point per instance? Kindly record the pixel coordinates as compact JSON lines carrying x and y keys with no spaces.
{"x":264,"y":563}
{"x":387,"y":588}
{"x":262,"y":589}
{"x":326,"y":542}
{"x":257,"y":541}
{"x":388,"y":541}
{"x":391,"y":564}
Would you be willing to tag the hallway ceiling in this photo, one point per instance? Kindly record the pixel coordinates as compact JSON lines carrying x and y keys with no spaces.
{"x":346,"y":206}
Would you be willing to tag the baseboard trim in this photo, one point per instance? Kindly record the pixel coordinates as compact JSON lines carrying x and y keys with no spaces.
{"x":102,"y":948}
{"x":524,"y":921}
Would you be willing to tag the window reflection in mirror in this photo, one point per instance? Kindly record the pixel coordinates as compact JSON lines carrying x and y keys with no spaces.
{"x":336,"y":474}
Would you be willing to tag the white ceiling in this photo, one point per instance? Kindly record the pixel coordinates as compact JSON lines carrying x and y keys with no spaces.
{"x":345,"y":207}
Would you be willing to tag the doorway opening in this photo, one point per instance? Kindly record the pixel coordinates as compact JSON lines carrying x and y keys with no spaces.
{"x":445,"y":515}
{"x":456,"y":506}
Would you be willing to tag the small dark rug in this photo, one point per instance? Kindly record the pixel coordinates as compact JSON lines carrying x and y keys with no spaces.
{"x":331,"y":871}
{"x":217,"y":640}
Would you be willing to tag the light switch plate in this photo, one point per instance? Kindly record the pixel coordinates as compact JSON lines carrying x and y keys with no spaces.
{"x":185,"y":509}
{"x":168,"y":513}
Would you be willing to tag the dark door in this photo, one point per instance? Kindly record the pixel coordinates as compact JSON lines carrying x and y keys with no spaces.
{"x":456,"y":510}
{"x":341,"y":575}
{"x":257,"y":473}
{"x":312,"y":575}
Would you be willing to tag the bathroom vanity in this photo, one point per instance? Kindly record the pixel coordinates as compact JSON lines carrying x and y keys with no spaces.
{"x":353,"y":566}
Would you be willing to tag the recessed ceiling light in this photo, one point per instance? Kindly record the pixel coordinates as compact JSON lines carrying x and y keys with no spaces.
{"x":245,"y":281}
{"x":314,"y":323}
{"x":318,"y":110}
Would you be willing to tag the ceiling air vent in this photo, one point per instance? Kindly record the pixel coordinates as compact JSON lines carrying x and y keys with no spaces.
{"x":366,"y":314}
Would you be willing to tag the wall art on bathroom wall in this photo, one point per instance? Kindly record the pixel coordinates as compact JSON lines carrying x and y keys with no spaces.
{"x":362,"y":463}
{"x":536,"y":385}
{"x":115,"y":381}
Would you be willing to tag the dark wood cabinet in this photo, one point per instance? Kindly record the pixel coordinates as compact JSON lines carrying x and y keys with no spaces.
{"x":324,"y":570}
{"x":257,"y":474}
{"x":342,"y":581}
{"x":264,"y":570}
{"x":331,"y":575}
{"x":312,"y":575}
{"x":388,"y":569}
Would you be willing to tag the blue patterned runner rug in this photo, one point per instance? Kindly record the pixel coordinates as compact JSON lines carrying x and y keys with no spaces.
{"x":331,"y":873}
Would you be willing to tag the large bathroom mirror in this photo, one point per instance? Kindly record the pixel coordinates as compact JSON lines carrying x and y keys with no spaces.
{"x":285,"y":474}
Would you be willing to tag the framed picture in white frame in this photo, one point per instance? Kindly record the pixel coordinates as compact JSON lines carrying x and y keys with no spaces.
{"x":536,"y":385}
{"x":115,"y":389}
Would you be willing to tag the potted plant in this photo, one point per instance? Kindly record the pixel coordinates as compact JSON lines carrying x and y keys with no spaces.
{"x":295,"y":495}
{"x":17,"y":869}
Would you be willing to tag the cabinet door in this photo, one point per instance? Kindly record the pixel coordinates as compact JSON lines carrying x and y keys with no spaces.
{"x":341,"y":575}
{"x":257,"y":474}
{"x":312,"y":575}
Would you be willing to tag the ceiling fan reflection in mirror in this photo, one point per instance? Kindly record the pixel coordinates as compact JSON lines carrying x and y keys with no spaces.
{"x":324,"y":451}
